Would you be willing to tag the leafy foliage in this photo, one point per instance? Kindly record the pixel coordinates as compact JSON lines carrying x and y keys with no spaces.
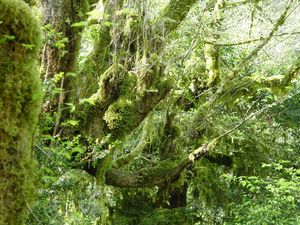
{"x":269,"y":200}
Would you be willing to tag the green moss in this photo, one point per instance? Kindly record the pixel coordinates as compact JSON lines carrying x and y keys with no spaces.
{"x":103,"y":166}
{"x":175,"y":12}
{"x":128,"y":84}
{"x":109,"y":84}
{"x":212,"y":64}
{"x":19,"y":107}
{"x":121,"y":116}
{"x":164,"y":169}
{"x":115,"y":82}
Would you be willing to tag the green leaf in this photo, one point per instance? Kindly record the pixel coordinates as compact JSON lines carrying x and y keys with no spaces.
{"x":57,"y":77}
{"x":28,"y":46}
{"x":72,"y":107}
{"x":95,"y":14}
{"x":70,"y":123}
{"x":78,"y":149}
{"x":57,"y":90}
{"x":69,"y":74}
{"x":87,"y":100}
{"x":68,"y":155}
{"x":107,"y":23}
{"x":80,"y":24}
{"x":5,"y":38}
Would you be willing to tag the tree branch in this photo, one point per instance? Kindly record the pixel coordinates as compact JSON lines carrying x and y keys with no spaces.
{"x":174,"y":13}
{"x":235,"y":4}
{"x":250,"y":40}
{"x":280,"y":21}
{"x":166,"y":171}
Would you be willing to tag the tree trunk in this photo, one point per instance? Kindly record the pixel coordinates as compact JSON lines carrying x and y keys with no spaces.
{"x":19,"y":107}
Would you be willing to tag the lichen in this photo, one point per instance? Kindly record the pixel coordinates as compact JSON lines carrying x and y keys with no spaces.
{"x":19,"y":107}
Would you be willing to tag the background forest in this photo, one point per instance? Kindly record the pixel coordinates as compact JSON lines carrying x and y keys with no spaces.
{"x":150,"y":112}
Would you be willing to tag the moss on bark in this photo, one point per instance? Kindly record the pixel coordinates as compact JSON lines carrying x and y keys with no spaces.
{"x":19,"y":107}
{"x":120,"y":117}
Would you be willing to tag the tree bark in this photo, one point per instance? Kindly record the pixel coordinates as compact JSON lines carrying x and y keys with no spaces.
{"x":20,"y":98}
{"x":59,"y":16}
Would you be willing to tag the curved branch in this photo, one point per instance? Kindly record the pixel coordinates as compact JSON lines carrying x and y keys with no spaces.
{"x":280,"y":21}
{"x":166,"y":171}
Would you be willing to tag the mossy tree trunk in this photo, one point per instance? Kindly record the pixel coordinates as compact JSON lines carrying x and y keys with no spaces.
{"x":61,"y":49}
{"x":120,"y":50}
{"x":19,"y":107}
{"x":60,"y":53}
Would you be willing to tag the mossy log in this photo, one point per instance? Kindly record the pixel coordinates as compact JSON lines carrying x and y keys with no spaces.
{"x":19,"y":107}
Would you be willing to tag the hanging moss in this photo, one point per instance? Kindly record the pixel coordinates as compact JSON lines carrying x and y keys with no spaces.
{"x":19,"y":107}
{"x":212,"y":64}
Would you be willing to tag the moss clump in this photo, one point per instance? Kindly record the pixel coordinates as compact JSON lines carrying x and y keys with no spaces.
{"x":162,"y":171}
{"x":109,"y":84}
{"x":121,"y":116}
{"x":128,"y":84}
{"x":115,"y":82}
{"x":19,"y":107}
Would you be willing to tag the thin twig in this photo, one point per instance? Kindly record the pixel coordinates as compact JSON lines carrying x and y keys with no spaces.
{"x":242,"y":122}
{"x":250,"y":40}
{"x":279,"y":22}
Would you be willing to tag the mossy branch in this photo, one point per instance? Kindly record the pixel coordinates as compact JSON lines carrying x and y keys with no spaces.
{"x":280,"y":21}
{"x":97,"y":62}
{"x":276,"y":82}
{"x":166,"y":171}
{"x":174,"y":13}
{"x":211,"y":51}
